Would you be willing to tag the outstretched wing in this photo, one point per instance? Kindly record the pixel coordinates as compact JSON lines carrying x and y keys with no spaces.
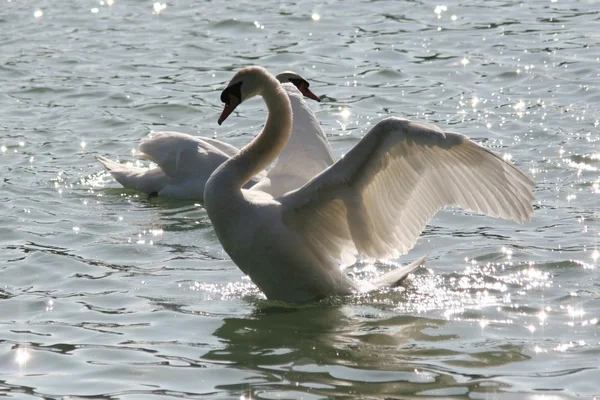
{"x":376,"y":200}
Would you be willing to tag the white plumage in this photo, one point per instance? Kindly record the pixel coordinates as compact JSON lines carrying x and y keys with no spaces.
{"x":402,"y":171}
{"x":185,"y":162}
{"x":371,"y":204}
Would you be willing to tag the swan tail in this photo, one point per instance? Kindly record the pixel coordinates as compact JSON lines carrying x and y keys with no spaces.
{"x":395,"y":277}
{"x":142,"y":179}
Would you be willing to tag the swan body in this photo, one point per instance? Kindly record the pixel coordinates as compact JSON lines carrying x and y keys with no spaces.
{"x":371,"y":204}
{"x":185,"y":162}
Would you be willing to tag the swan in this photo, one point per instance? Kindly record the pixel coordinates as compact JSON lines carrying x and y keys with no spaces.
{"x":185,"y":162}
{"x":371,"y":204}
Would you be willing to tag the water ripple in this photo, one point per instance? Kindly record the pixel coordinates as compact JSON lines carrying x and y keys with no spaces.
{"x":135,"y":299}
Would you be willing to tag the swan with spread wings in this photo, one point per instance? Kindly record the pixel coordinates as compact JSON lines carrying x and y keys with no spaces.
{"x":373,"y":203}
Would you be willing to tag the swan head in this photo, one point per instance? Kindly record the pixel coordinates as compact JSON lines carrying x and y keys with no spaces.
{"x":250,"y":82}
{"x":246,"y":83}
{"x":298,"y":81}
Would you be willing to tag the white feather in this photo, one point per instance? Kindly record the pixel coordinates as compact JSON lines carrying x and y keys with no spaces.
{"x":376,"y":200}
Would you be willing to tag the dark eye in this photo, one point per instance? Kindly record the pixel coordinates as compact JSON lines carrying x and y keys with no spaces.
{"x":235,"y":90}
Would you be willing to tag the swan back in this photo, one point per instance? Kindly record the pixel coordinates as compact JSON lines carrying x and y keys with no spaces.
{"x":179,"y":154}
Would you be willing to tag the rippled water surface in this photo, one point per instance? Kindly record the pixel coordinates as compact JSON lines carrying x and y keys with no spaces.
{"x":104,"y":294}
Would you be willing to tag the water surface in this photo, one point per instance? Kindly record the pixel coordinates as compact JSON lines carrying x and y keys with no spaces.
{"x":104,"y":294}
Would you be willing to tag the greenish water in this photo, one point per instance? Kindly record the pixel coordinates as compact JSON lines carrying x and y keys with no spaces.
{"x":106,"y":295}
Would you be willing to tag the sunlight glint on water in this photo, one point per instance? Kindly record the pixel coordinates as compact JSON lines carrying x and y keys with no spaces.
{"x":105,"y":293}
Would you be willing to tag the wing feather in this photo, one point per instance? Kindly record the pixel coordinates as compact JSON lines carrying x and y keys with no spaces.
{"x":226,"y":148}
{"x":181,"y":155}
{"x":377,"y":199}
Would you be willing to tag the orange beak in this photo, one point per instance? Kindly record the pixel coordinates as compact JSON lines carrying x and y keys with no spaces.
{"x":229,"y":107}
{"x":308,"y":93}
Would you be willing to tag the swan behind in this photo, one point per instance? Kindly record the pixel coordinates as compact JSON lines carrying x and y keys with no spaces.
{"x":184,"y":162}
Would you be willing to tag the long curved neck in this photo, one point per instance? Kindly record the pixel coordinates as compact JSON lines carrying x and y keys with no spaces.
{"x":267,"y":145}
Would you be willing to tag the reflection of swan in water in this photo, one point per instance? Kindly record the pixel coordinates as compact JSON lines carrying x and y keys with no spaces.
{"x":185,"y":162}
{"x":373,"y":203}
{"x":330,"y":352}
{"x":298,"y":330}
